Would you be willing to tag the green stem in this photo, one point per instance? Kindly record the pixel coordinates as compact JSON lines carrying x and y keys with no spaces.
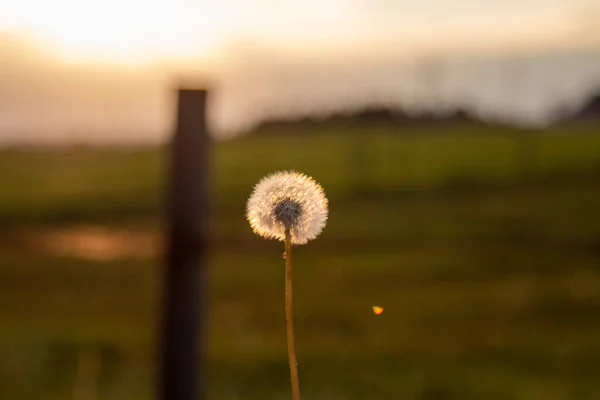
{"x":289,"y":320}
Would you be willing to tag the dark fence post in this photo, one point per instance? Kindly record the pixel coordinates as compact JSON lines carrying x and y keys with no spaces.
{"x":181,"y":350}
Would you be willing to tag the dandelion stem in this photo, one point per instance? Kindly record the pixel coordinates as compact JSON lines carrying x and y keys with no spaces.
{"x":289,"y":317}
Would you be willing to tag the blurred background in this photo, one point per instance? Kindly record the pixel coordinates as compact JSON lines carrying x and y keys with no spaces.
{"x":458,"y":143}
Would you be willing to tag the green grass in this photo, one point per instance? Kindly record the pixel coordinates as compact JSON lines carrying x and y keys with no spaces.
{"x":487,"y":263}
{"x":119,"y":186}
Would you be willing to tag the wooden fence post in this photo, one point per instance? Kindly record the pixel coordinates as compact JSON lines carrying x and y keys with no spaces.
{"x":181,"y":350}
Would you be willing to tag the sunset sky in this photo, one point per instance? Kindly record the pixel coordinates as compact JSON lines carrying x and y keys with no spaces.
{"x":146,"y":30}
{"x":99,"y":55}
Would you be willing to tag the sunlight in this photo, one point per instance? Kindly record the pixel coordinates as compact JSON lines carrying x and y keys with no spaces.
{"x":121,"y":31}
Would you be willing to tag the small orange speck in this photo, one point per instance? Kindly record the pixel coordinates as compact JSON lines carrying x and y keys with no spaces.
{"x":377,"y":310}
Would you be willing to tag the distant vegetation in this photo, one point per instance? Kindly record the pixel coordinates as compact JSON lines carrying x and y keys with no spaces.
{"x":398,"y":118}
{"x":370,"y":116}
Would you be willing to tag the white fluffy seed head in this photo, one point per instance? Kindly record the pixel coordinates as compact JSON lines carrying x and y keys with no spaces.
{"x":287,"y":199}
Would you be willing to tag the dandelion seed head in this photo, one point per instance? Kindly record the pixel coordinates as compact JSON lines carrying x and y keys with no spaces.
{"x":287,"y":199}
{"x":288,"y":212}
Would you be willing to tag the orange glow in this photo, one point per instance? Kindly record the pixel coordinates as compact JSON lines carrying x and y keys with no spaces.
{"x":131,"y":31}
{"x":143,"y":31}
{"x":377,"y":310}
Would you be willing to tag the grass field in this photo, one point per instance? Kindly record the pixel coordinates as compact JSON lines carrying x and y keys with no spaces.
{"x":482,"y":246}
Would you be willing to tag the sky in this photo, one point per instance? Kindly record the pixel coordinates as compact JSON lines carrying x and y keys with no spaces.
{"x":114,"y":60}
{"x":148,"y":30}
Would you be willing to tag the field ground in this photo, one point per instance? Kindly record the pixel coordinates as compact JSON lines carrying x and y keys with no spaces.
{"x":482,"y":247}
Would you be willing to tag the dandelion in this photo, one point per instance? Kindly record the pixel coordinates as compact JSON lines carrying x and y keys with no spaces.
{"x":288,"y":200}
{"x":290,"y":207}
